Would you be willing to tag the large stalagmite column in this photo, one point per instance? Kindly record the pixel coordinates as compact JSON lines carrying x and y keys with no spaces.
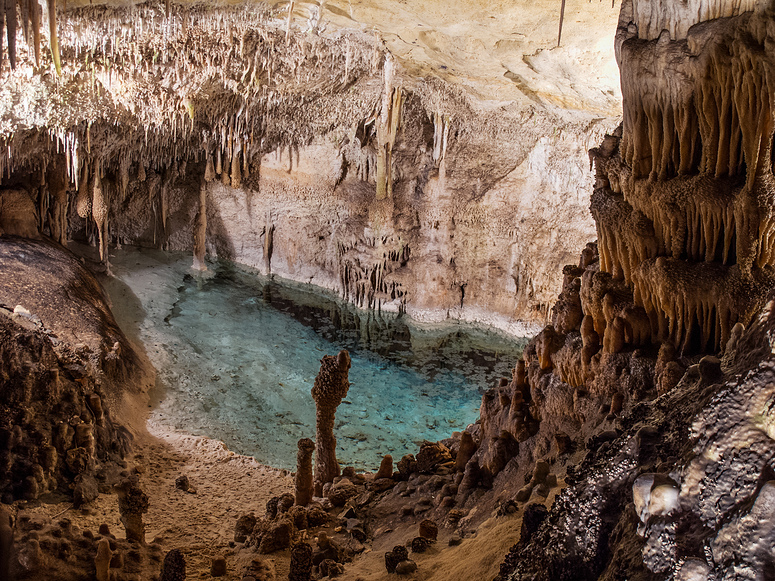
{"x":331,"y":385}
{"x":100,"y":215}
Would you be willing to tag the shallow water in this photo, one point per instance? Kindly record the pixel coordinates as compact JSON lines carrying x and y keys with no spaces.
{"x":237,"y":356}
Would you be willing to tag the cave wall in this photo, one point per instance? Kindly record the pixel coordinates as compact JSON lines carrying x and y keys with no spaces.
{"x":324,"y":161}
{"x":659,"y":354}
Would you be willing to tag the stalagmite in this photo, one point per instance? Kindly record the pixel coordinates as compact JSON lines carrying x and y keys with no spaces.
{"x":385,"y":468}
{"x":301,"y":562}
{"x":331,"y":386}
{"x":102,"y":560}
{"x":174,"y":566}
{"x":465,"y":452}
{"x":200,"y":230}
{"x":132,"y":504}
{"x":304,"y":483}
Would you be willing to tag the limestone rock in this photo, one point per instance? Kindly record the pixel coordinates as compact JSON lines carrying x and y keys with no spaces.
{"x":394,"y":557}
{"x":218,"y":566}
{"x":406,"y":567}
{"x":244,"y":527}
{"x":429,"y":529}
{"x":431,"y":455}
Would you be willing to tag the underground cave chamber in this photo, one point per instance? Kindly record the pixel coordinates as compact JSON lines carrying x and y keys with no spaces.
{"x":176,"y":178}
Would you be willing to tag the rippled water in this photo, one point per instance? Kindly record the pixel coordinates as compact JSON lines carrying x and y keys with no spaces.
{"x":238,"y":354}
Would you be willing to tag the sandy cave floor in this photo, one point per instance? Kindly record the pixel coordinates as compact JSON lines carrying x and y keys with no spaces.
{"x":202,"y":524}
{"x":228,"y":485}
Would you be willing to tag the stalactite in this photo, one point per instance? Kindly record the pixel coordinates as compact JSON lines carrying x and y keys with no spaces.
{"x":154,"y":185}
{"x":209,"y":174}
{"x":236,"y":170}
{"x":387,"y":127}
{"x":268,"y":242}
{"x":288,"y":25}
{"x":164,"y":203}
{"x":124,"y":175}
{"x":35,"y":25}
{"x":562,"y":17}
{"x":10,"y":25}
{"x":53,"y":38}
{"x":440,"y":136}
{"x":24,"y":8}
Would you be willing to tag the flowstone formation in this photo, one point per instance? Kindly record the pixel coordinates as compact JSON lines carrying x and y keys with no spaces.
{"x":264,"y":135}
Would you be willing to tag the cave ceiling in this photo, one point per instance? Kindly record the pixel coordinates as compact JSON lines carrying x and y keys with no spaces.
{"x":498,"y":50}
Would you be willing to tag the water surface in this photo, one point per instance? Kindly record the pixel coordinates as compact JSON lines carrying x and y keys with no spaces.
{"x":237,"y":355}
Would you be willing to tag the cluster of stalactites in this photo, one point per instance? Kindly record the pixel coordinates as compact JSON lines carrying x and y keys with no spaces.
{"x":698,"y":218}
{"x":369,"y":284}
{"x":684,"y":199}
{"x":26,"y":15}
{"x":233,"y":141}
{"x":713,"y":115}
{"x":722,"y":237}
{"x":696,"y":305}
{"x":138,"y":67}
{"x":654,"y":16}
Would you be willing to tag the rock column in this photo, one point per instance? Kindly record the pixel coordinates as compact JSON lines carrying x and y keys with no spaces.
{"x":331,"y":385}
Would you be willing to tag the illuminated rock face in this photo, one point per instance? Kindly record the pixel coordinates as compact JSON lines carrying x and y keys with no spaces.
{"x":684,"y":208}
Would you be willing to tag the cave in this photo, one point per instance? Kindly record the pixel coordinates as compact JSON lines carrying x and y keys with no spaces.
{"x":311,"y":289}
